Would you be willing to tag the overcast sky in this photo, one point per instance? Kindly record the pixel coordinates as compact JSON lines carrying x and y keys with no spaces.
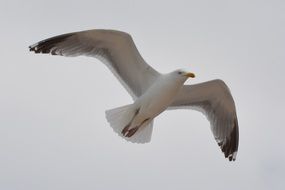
{"x":53,"y":131}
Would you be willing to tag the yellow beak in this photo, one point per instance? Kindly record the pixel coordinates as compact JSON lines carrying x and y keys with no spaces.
{"x":192,"y":75}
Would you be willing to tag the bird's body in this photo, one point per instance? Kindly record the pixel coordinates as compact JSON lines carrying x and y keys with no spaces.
{"x":161,"y":94}
{"x":152,"y":91}
{"x":156,"y":99}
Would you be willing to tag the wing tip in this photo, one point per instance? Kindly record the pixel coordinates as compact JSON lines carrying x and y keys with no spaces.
{"x":230,"y":145}
{"x":34,"y":47}
{"x":45,"y":46}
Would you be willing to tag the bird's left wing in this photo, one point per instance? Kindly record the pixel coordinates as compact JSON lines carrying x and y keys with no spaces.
{"x":115,"y":48}
{"x":213,"y":98}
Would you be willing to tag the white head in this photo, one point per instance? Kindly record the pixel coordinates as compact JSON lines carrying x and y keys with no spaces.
{"x":182,"y":75}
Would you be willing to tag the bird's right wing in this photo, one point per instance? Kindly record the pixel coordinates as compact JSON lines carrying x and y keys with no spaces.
{"x":116,"y":49}
{"x":213,"y":98}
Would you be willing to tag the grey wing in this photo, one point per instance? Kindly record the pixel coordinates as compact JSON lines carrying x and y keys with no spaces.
{"x":116,"y":49}
{"x":213,"y":98}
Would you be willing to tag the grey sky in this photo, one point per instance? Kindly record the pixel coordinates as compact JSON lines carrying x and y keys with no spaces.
{"x":53,"y":131}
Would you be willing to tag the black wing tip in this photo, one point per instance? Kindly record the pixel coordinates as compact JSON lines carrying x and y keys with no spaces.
{"x":33,"y":47}
{"x":230,"y":145}
{"x":45,"y":46}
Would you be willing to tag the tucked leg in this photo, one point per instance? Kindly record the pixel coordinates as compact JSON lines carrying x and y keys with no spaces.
{"x":130,"y":132}
{"x":126,"y":129}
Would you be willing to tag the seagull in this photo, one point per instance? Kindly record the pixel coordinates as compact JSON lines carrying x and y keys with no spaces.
{"x":152,"y":92}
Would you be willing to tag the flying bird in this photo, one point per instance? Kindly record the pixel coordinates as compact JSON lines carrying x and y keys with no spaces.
{"x":152,"y":92}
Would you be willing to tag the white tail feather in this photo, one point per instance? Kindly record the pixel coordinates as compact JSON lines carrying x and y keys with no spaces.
{"x":121,"y":116}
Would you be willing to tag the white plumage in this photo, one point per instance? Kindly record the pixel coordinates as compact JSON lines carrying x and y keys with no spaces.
{"x":151,"y":91}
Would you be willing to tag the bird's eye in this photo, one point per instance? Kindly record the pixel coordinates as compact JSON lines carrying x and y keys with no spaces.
{"x":179,"y":72}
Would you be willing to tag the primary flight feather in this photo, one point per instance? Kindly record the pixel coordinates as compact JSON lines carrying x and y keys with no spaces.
{"x":151,"y":91}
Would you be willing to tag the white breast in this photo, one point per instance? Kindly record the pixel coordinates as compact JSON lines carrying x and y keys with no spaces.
{"x":159,"y":96}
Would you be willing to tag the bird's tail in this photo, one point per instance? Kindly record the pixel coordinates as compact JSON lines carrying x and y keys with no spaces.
{"x":120,"y":117}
